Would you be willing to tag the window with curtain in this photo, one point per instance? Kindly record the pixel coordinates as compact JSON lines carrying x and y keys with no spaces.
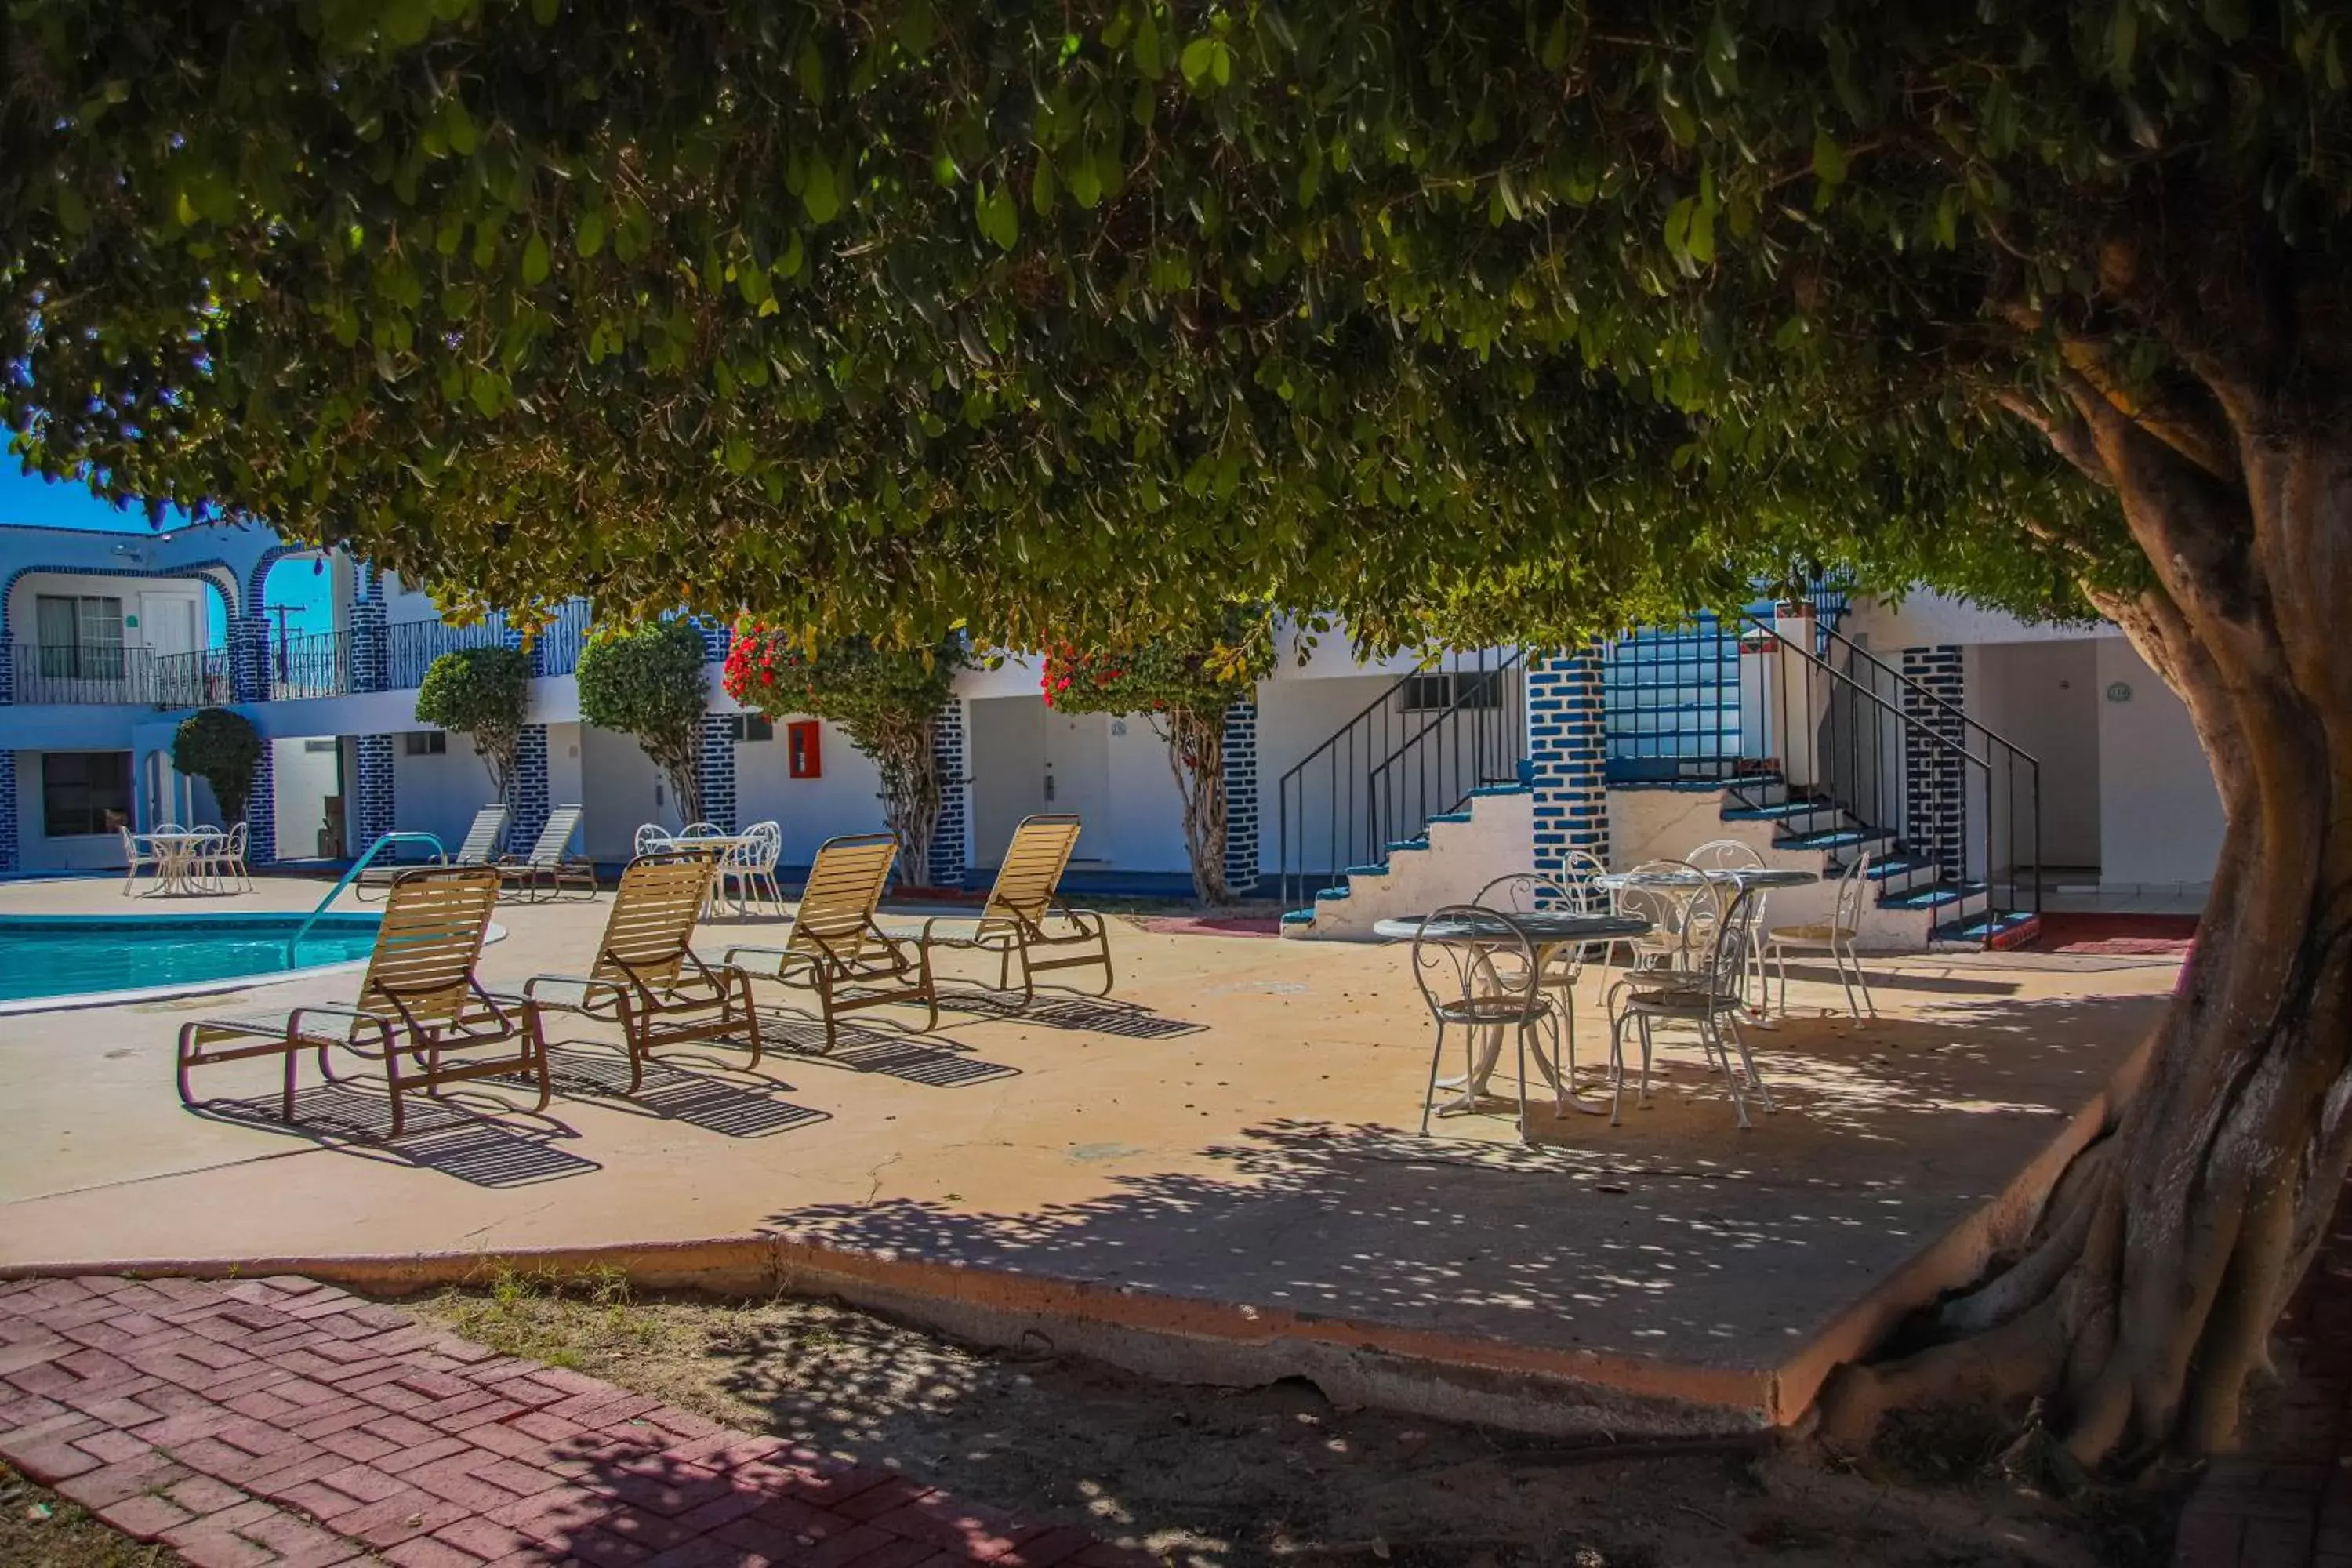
{"x":84,"y":793}
{"x":81,"y":635}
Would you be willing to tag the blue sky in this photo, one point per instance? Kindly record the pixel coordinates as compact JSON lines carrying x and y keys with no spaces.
{"x":30,"y":499}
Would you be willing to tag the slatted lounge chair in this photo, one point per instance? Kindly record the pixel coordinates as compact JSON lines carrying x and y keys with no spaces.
{"x":836,"y":949}
{"x":420,"y":1011}
{"x":480,"y":848}
{"x":1024,"y":914}
{"x":550,"y":868}
{"x":646,"y":978}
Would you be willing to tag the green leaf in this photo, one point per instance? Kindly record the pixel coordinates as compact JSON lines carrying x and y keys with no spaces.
{"x":73,"y":213}
{"x":1829,"y":159}
{"x":819,"y":197}
{"x":1145,"y":50}
{"x":2123,"y":38}
{"x":1000,"y":219}
{"x":458,"y":127}
{"x":589,"y":238}
{"x":1041,"y":185}
{"x":2227,"y":18}
{"x":808,"y":69}
{"x":1554,"y":54}
{"x":1200,"y":58}
{"x":535,"y":261}
{"x":406,"y":22}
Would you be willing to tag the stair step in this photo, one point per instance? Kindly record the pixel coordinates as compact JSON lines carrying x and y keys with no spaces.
{"x":1780,"y":813}
{"x":1935,"y":896}
{"x":1400,"y":844}
{"x":1484,"y":791}
{"x":1298,"y":916}
{"x":1451,"y":816}
{"x":1986,"y":928}
{"x":1833,"y":838}
{"x":1365,"y":871}
{"x":1331,"y":895}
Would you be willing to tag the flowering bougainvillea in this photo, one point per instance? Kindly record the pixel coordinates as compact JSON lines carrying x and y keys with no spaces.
{"x":887,"y":701}
{"x":1184,"y":689}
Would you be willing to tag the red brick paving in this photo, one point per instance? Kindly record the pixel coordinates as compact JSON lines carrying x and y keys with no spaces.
{"x":2289,"y":1503}
{"x":283,"y":1423}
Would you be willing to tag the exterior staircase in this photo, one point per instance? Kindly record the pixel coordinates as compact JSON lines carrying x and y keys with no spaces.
{"x":1459,"y":852}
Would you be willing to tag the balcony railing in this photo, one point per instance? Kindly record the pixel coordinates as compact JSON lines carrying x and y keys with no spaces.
{"x":113,"y":675}
{"x":411,"y":646}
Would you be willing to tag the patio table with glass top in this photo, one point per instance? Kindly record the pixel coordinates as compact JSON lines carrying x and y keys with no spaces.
{"x":1764,"y":879}
{"x":718,"y":845}
{"x":1545,"y":932}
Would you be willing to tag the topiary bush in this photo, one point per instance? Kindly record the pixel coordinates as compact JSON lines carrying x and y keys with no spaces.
{"x":647,"y":681}
{"x":222,"y":748}
{"x":480,"y":693}
{"x":887,"y":701}
{"x":1182,"y":685}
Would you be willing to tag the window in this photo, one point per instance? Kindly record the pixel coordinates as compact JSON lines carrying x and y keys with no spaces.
{"x":750,"y":727}
{"x":81,"y":635}
{"x":424,"y":743}
{"x":84,"y":793}
{"x":1463,"y":689}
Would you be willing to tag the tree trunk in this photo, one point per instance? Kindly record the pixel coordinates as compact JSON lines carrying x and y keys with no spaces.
{"x":911,"y":793}
{"x":2144,"y":1298}
{"x":1196,"y":754}
{"x":680,"y":761}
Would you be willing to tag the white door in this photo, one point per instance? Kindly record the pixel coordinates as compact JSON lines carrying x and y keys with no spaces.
{"x":1077,"y":768}
{"x":167,"y":625}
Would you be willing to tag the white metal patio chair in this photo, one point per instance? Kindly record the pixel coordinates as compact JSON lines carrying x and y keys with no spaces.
{"x":1731,"y":854}
{"x":1835,"y":936}
{"x":746,"y":874}
{"x":139,"y":850}
{"x":1705,"y":990}
{"x":1559,"y":968}
{"x":652,"y":838}
{"x":1492,"y":983}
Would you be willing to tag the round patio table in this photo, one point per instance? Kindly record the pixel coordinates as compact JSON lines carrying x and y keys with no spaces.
{"x":1545,"y":932}
{"x":175,"y":860}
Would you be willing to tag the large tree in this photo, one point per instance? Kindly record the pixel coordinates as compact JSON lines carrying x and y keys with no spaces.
{"x":1472,"y":321}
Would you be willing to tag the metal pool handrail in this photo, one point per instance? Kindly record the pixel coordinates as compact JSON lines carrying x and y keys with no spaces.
{"x":440,"y":853}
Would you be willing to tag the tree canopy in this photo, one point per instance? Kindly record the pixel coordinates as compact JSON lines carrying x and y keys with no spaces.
{"x":222,"y":748}
{"x":1519,"y":321}
{"x":484,"y":694}
{"x":649,"y":682}
{"x":892,"y":318}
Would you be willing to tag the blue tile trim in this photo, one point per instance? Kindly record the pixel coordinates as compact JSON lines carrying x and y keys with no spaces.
{"x":1242,"y":821}
{"x":951,"y":849}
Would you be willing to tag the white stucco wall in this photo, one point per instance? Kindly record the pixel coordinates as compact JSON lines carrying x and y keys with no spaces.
{"x":844,"y":798}
{"x":2043,"y":698}
{"x":301,"y":780}
{"x":438,"y":794}
{"x":38,"y":852}
{"x":2159,"y":816}
{"x":1926,"y":620}
{"x":1293,"y":718}
{"x":619,"y":786}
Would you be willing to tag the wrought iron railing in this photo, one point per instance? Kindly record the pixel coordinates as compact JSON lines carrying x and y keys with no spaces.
{"x":1869,"y":754}
{"x":305,"y":665}
{"x":561,"y":639}
{"x":110,"y":674}
{"x":1417,"y":751}
{"x":411,"y":646}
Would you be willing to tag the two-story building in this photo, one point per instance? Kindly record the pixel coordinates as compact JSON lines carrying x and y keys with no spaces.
{"x":1990,"y":767}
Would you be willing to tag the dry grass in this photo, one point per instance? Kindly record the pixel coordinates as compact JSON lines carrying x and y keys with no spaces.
{"x":39,"y":1529}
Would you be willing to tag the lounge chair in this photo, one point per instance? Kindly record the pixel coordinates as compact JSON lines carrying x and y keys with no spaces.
{"x":480,"y":848}
{"x":1014,"y":923}
{"x":836,"y":949}
{"x":420,"y":1011}
{"x":646,"y":977}
{"x":550,"y":868}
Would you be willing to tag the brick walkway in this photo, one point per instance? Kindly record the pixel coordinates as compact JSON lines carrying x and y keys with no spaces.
{"x":2290,"y":1504}
{"x":282,"y":1422}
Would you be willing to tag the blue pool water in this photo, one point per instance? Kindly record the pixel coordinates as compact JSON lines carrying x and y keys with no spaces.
{"x":63,"y":955}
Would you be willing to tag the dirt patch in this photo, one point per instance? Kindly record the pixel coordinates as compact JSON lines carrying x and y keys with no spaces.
{"x":1210,"y":1476}
{"x":39,"y":1529}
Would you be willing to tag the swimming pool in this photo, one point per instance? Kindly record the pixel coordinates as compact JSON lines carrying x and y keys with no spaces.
{"x":69,"y":960}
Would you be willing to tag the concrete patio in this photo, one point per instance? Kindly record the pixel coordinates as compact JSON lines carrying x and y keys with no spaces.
{"x":1212,"y":1175}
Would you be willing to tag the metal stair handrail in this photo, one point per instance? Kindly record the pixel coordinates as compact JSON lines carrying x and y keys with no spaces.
{"x":1374,"y":737}
{"x":440,"y":855}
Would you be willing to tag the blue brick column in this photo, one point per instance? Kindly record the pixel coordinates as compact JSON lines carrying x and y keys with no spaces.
{"x":371,"y":637}
{"x":1566,"y":752}
{"x":950,"y":854}
{"x":378,"y":808}
{"x":1935,"y":776}
{"x":1240,"y":799}
{"x":7,"y":675}
{"x":262,"y":810}
{"x":8,"y":857}
{"x":249,"y":653}
{"x":527,"y":802}
{"x":718,"y":770}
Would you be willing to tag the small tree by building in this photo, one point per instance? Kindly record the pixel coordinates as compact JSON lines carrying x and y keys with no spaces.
{"x":222,"y":748}
{"x":1184,"y":687}
{"x":887,"y":701}
{"x":647,"y":681}
{"x":480,"y":693}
